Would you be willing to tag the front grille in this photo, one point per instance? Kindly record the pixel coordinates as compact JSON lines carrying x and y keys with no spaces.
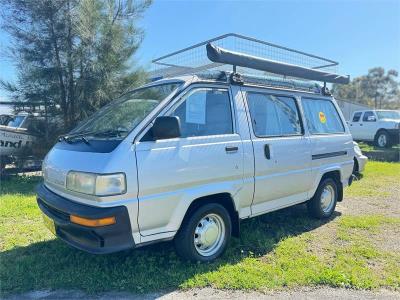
{"x":55,"y":212}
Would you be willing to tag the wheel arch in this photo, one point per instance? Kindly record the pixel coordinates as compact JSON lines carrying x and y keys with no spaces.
{"x":224,"y":199}
{"x":380,"y":130}
{"x":335,"y":174}
{"x":356,"y":166}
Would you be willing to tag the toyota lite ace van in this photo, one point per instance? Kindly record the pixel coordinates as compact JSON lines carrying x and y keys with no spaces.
{"x":188,"y":156}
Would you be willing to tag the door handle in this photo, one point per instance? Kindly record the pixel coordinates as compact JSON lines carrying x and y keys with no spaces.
{"x":267,"y":152}
{"x":361,"y":124}
{"x":231,"y":149}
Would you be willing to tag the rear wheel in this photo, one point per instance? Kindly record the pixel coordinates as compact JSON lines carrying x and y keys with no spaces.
{"x":205,"y":234}
{"x":323,"y":204}
{"x":382,"y":139}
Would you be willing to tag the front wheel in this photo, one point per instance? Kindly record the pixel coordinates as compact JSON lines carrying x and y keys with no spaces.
{"x":205,"y":234}
{"x":382,"y":139}
{"x":323,"y":204}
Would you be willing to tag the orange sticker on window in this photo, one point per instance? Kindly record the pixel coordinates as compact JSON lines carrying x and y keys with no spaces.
{"x":322,"y":117}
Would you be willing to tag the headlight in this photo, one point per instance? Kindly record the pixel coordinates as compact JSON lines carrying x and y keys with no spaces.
{"x":96,"y":184}
{"x":81,"y":182}
{"x":113,"y":184}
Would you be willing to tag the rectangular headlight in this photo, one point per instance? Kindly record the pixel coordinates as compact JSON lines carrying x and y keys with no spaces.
{"x":96,"y":184}
{"x":112,"y":184}
{"x":81,"y":182}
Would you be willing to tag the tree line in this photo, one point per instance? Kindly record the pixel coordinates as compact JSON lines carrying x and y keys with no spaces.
{"x":378,"y":89}
{"x":75,"y":55}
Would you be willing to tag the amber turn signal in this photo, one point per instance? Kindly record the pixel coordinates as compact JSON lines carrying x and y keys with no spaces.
{"x":92,"y":222}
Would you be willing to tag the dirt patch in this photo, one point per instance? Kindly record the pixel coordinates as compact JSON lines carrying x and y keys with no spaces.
{"x":209,"y":293}
{"x":388,"y":206}
{"x":388,"y":239}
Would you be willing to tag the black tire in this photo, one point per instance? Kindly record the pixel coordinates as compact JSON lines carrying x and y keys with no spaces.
{"x":382,"y":135}
{"x":184,"y":239}
{"x":315,"y":204}
{"x":355,"y":167}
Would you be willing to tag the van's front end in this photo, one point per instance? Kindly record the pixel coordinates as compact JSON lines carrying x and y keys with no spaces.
{"x":89,"y":194}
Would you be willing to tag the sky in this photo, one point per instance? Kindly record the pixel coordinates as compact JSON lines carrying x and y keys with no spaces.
{"x":358,"y":34}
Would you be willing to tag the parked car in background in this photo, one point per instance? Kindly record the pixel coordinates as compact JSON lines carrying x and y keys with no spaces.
{"x":18,"y":135}
{"x":4,"y":119}
{"x":360,"y":160}
{"x":15,"y":135}
{"x":379,"y":126}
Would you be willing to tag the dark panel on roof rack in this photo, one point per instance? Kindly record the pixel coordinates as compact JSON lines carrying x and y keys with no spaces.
{"x":220,"y":55}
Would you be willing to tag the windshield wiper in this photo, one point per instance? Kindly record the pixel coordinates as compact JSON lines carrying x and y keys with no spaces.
{"x":110,"y":133}
{"x":69,"y":137}
{"x":82,"y":136}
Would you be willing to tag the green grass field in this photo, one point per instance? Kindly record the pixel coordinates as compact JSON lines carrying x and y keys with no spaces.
{"x":283,"y":249}
{"x":370,"y":147}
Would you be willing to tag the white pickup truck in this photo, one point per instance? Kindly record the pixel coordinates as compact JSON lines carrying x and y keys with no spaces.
{"x":379,"y":126}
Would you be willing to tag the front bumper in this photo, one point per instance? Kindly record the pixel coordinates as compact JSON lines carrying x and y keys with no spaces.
{"x":394,"y":135}
{"x":362,"y":161}
{"x":97,"y":240}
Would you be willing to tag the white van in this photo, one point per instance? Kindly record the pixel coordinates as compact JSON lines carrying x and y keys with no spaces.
{"x":188,"y":158}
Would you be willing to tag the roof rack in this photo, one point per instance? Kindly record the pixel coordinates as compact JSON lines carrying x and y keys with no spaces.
{"x":246,"y":55}
{"x":291,"y":84}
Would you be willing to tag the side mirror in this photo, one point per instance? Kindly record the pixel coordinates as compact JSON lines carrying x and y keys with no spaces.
{"x":371,"y":119}
{"x":166,"y":127}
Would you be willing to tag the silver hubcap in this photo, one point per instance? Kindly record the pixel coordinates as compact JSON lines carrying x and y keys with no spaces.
{"x":327,"y":198}
{"x":209,"y":235}
{"x":382,"y":140}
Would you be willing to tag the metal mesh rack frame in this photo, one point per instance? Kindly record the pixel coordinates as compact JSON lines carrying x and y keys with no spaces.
{"x":194,"y":59}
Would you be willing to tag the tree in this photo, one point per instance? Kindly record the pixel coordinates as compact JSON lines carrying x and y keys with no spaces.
{"x":76,"y":54}
{"x":377,"y":88}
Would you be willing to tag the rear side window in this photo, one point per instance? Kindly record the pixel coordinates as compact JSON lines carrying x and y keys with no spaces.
{"x":273,"y":115}
{"x":322,"y":116}
{"x":357,"y":116}
{"x":205,"y":112}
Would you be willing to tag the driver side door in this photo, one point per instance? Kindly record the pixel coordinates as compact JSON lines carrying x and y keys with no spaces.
{"x":206,"y":159}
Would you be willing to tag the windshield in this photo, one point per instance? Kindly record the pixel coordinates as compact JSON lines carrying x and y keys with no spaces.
{"x":16,"y":121}
{"x":121,"y":116}
{"x":388,"y":114}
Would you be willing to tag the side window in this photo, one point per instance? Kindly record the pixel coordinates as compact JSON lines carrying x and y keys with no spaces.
{"x":273,"y":115}
{"x":369,"y":117}
{"x":357,"y":116}
{"x":205,"y":112}
{"x":322,"y":116}
{"x":16,"y":121}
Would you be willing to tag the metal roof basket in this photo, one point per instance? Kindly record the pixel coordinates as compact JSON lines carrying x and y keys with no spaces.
{"x":245,"y":55}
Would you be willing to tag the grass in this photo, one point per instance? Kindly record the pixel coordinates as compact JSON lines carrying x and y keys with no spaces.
{"x":378,"y":180}
{"x":367,"y":222}
{"x":367,"y":147}
{"x":283,"y":249}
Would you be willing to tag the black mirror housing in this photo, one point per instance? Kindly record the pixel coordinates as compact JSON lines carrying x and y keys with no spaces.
{"x":166,"y":127}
